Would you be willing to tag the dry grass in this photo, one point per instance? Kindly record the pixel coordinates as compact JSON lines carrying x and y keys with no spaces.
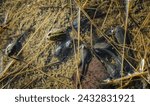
{"x":45,"y":15}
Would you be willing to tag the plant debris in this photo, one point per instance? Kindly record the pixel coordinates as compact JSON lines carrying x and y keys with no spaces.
{"x":49,"y":35}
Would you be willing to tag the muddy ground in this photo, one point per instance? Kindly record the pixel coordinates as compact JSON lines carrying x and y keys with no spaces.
{"x":38,"y":68}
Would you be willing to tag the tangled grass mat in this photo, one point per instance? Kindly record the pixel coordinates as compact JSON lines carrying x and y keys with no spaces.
{"x":36,"y":18}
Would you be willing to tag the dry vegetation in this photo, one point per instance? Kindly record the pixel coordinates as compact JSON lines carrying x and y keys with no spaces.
{"x":38,"y":69}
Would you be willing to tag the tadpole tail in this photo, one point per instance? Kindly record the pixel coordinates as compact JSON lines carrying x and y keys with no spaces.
{"x":15,"y":58}
{"x":83,"y":69}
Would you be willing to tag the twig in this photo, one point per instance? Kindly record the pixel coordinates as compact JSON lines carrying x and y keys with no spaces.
{"x":136,"y":74}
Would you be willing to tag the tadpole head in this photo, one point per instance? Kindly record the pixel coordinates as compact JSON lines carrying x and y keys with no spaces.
{"x":110,"y":31}
{"x":8,"y":49}
{"x":63,"y":51}
{"x":13,"y":48}
{"x":68,"y":43}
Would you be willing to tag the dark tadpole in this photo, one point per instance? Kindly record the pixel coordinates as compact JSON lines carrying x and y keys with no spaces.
{"x":119,"y":35}
{"x":84,"y":24}
{"x":107,"y":57}
{"x":100,"y":45}
{"x":110,"y":31}
{"x":100,"y":42}
{"x":64,"y":50}
{"x":15,"y":46}
{"x":86,"y":57}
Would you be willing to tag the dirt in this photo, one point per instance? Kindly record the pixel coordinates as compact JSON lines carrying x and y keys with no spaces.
{"x":39,"y":69}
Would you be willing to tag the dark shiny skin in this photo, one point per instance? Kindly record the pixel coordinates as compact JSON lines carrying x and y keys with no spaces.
{"x":63,"y":50}
{"x":119,"y":35}
{"x":110,"y":31}
{"x":100,"y":44}
{"x":84,"y":24}
{"x":111,"y":59}
{"x":86,"y":57}
{"x":14,"y":47}
{"x":106,"y":56}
